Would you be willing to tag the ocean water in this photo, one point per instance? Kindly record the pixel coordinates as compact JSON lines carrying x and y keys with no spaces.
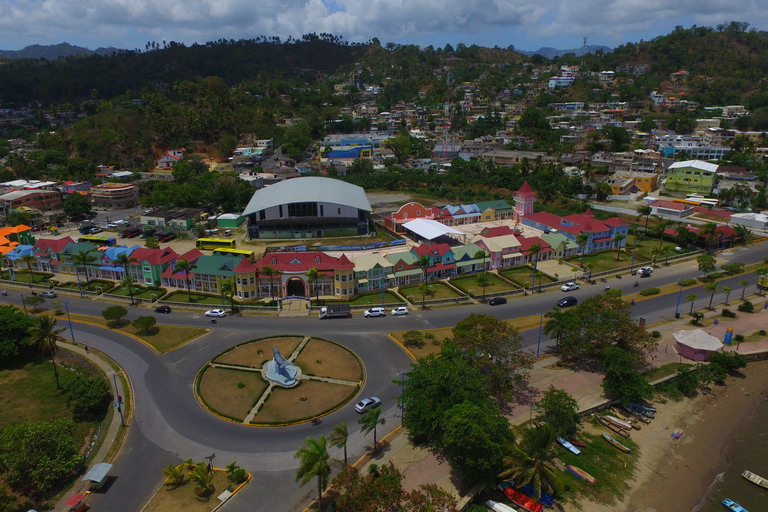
{"x":747,"y":450}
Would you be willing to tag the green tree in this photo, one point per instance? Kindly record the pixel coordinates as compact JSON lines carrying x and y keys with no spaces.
{"x":43,"y":334}
{"x":731,"y":361}
{"x":691,"y":297}
{"x":114,"y":314}
{"x":128,"y":282}
{"x":424,"y":289}
{"x":145,"y":323}
{"x":186,"y":267}
{"x":645,"y":211}
{"x":14,"y":331}
{"x":554,"y":326}
{"x":88,"y":398}
{"x":710,"y":235}
{"x":762,"y":277}
{"x":743,"y":283}
{"x":313,"y":276}
{"x":602,"y":191}
{"x":76,"y":206}
{"x":711,"y":288}
{"x":315,"y":462}
{"x":617,"y":238}
{"x":483,"y":280}
{"x":152,"y":243}
{"x":202,"y":477}
{"x":174,"y":475}
{"x":582,"y":239}
{"x":687,"y":381}
{"x":707,"y":263}
{"x":727,"y":291}
{"x":82,"y":259}
{"x":369,"y":421}
{"x":339,"y":437}
{"x":622,"y":380}
{"x":559,"y":409}
{"x":34,"y":301}
{"x":271,"y":274}
{"x":27,"y":259}
{"x":229,"y":290}
{"x":530,"y":461}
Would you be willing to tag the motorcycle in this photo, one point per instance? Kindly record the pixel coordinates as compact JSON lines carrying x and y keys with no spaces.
{"x":636,"y":284}
{"x":5,"y":293}
{"x":316,"y":421}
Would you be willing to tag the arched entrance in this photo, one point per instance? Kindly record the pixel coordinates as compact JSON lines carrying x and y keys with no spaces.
{"x":295,"y":288}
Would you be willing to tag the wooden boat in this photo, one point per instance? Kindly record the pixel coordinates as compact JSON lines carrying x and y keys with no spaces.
{"x":613,"y":428}
{"x":580,"y":473}
{"x":568,"y":446}
{"x":576,"y":442}
{"x":523,"y":501}
{"x":619,"y":423}
{"x":732,"y":505}
{"x":755,"y":479}
{"x":631,"y":422}
{"x":649,"y":412}
{"x":615,"y":443}
{"x":637,"y":415}
{"x":498,"y":507}
{"x":559,"y":464}
{"x":544,"y":499}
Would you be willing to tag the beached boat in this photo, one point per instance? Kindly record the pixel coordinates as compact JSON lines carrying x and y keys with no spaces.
{"x":580,"y":473}
{"x":732,"y":505}
{"x":576,"y":442}
{"x":613,"y":428}
{"x":677,"y":434}
{"x":649,"y":412}
{"x":523,"y":501}
{"x":544,"y":499}
{"x":629,"y":421}
{"x":568,"y":446}
{"x":615,"y":443}
{"x":619,"y":423}
{"x":559,"y":464}
{"x":498,"y":507}
{"x":755,"y":479}
{"x":637,"y":415}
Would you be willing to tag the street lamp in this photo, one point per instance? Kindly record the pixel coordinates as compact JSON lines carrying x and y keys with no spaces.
{"x":383,"y":292}
{"x":69,"y":321}
{"x":538,"y":345}
{"x":402,"y":398}
{"x":24,"y":304}
{"x":679,"y":297}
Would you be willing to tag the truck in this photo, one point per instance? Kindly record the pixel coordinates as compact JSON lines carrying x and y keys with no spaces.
{"x":335,"y":311}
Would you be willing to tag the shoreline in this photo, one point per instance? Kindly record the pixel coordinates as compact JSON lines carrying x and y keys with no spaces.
{"x":679,"y":474}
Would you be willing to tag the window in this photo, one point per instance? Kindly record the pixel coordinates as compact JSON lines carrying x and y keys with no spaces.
{"x":274,"y":261}
{"x":281,"y":211}
{"x":246,"y":294}
{"x":317,"y":259}
{"x":344,"y":278}
{"x":252,"y":280}
{"x":302,"y":210}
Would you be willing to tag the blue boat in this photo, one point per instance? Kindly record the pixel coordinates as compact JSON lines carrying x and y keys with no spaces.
{"x":568,"y":446}
{"x":732,"y":505}
{"x":544,"y":499}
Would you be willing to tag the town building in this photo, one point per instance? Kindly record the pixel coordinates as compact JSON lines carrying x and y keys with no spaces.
{"x":114,"y":195}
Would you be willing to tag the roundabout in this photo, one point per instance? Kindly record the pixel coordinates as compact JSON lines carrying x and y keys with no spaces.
{"x":279,"y":381}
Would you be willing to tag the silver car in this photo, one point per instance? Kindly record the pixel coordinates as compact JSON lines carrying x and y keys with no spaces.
{"x":367,"y":403}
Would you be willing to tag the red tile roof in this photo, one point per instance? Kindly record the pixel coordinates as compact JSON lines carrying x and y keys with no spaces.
{"x":296,"y":262}
{"x":153,"y":256}
{"x":525,"y":189}
{"x":431,"y":250}
{"x":498,"y":231}
{"x":44,"y":244}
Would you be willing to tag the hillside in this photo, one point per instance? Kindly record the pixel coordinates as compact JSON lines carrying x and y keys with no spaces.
{"x":54,"y":51}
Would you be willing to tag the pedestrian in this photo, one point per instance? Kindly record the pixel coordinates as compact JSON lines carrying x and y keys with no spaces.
{"x":30,"y":286}
{"x":86,"y":348}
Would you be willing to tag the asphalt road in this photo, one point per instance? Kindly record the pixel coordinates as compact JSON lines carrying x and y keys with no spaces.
{"x":168,"y":425}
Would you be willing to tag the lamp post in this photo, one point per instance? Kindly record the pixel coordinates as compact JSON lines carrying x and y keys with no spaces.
{"x":402,"y":398}
{"x":383,"y":292}
{"x":69,"y":321}
{"x":24,"y":304}
{"x":538,"y":345}
{"x":679,"y":297}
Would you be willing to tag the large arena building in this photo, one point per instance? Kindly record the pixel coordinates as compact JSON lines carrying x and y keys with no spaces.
{"x":308,"y":208}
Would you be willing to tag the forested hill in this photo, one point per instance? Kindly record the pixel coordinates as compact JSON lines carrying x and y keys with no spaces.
{"x":74,"y":77}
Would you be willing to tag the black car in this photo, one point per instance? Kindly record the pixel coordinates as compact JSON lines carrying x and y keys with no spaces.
{"x":567,"y":301}
{"x":163,"y":309}
{"x":497,"y":301}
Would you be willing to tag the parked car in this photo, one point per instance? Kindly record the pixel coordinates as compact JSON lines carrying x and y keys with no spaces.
{"x":402,"y":310}
{"x":645,"y":271}
{"x":497,"y":301}
{"x":112,"y":224}
{"x":216,"y":313}
{"x":569,"y":287}
{"x":48,"y":295}
{"x":567,"y":302}
{"x":368,"y":313}
{"x":93,"y":231}
{"x":367,"y":403}
{"x":163,"y":309}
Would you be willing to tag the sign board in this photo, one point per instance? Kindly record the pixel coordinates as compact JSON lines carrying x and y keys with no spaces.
{"x":728,"y":336}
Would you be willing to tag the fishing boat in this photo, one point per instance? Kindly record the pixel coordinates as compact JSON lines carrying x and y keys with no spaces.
{"x":755,"y":479}
{"x":613,"y":428}
{"x":576,"y":442}
{"x":637,"y":415}
{"x":544,"y":499}
{"x":619,"y":423}
{"x":732,"y":505}
{"x":523,"y":501}
{"x":498,"y":507}
{"x":615,"y":443}
{"x":631,"y":422}
{"x":568,"y":446}
{"x":580,"y":473}
{"x":649,"y":412}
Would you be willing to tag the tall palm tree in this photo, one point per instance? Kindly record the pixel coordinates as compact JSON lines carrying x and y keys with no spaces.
{"x":228,"y":289}
{"x":761,"y":277}
{"x":186,"y":267}
{"x":658,"y":230}
{"x":691,"y":297}
{"x":540,"y":275}
{"x":44,"y":335}
{"x":617,"y":238}
{"x":665,"y":251}
{"x":370,"y":420}
{"x":313,"y":276}
{"x":483,"y":280}
{"x":530,"y":461}
{"x":315,"y":462}
{"x":128,"y":282}
{"x":582,"y":239}
{"x":83,"y":259}
{"x":339,"y":437}
{"x":743,"y":283}
{"x":270,"y":273}
{"x":481,"y":254}
{"x":534,"y":251}
{"x":709,"y":234}
{"x":424,"y":290}
{"x":27,"y":259}
{"x":645,"y":211}
{"x":554,"y":324}
{"x":727,"y":291}
{"x":711,"y":288}
{"x":424,"y":263}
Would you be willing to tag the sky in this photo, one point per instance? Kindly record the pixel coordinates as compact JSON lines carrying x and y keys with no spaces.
{"x":528,"y":25}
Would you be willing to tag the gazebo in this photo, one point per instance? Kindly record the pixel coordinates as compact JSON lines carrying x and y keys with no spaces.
{"x":696,"y":344}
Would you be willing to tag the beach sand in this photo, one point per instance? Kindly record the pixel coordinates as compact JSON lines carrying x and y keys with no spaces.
{"x":675,"y":474}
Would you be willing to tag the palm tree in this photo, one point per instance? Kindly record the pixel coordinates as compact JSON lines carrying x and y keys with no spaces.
{"x":478,"y":255}
{"x":228,"y":289}
{"x":711,"y":288}
{"x":44,"y":335}
{"x":655,"y":254}
{"x":124,"y":260}
{"x":339,"y":437}
{"x":369,"y":421}
{"x":709,"y":234}
{"x":554,"y":324}
{"x":658,"y":230}
{"x":645,"y":211}
{"x":743,"y":283}
{"x":202,"y":477}
{"x":540,"y":275}
{"x":128,"y":282}
{"x":691,"y":297}
{"x":530,"y":461}
{"x":744,"y":234}
{"x":424,"y":263}
{"x":582,"y":239}
{"x":270,"y":273}
{"x":28,"y":259}
{"x":186,"y":267}
{"x":424,"y":290}
{"x":483,"y":280}
{"x":727,"y":291}
{"x":665,"y":252}
{"x":761,"y":277}
{"x":617,"y":238}
{"x":83,"y":259}
{"x":313,"y":276}
{"x":174,"y":475}
{"x":315,"y":462}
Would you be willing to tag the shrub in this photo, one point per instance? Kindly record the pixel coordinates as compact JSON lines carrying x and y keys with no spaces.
{"x":88,"y":398}
{"x":697,"y":316}
{"x":656,"y":334}
{"x":730,"y":361}
{"x":739,"y":337}
{"x":762,"y":332}
{"x":650,"y":291}
{"x":728,"y":313}
{"x":240,"y":385}
{"x":746,"y":307}
{"x":687,"y":382}
{"x":238,"y":476}
{"x":690,"y":282}
{"x":413,"y":339}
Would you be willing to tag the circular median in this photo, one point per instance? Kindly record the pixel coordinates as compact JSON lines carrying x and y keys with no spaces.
{"x":234,"y":384}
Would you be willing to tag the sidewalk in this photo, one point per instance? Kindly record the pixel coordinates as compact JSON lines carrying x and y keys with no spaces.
{"x":111,"y":434}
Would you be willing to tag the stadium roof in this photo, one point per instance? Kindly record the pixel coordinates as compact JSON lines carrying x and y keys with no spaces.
{"x":430,"y":229}
{"x":308,"y":190}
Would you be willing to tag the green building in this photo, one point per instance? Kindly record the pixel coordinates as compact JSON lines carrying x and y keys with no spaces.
{"x":691,"y":177}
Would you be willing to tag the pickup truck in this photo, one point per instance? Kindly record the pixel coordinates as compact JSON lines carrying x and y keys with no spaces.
{"x":336,"y":311}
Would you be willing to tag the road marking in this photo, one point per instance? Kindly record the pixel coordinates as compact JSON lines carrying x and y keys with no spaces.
{"x":205,"y":347}
{"x":180,"y":360}
{"x":229,"y":335}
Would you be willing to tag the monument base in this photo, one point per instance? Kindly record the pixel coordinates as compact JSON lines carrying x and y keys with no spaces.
{"x":285,"y":376}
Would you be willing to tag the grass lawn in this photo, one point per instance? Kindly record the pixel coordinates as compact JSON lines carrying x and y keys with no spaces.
{"x":219,"y":389}
{"x":139,"y":293}
{"x":308,"y":399}
{"x":375,"y":299}
{"x":494,"y":284}
{"x":256,"y":353}
{"x":323,"y":359}
{"x":25,"y":277}
{"x":522,"y":276}
{"x":182,"y":296}
{"x":183,"y":499}
{"x":441,"y":292}
{"x":663,"y":371}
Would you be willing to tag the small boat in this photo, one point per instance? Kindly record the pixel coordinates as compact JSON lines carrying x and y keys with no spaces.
{"x":631,"y":422}
{"x":523,"y":501}
{"x":544,"y":499}
{"x":638,"y":415}
{"x":619,"y":423}
{"x":576,"y":442}
{"x":755,"y":479}
{"x":580,"y":473}
{"x":615,"y":443}
{"x":559,"y":464}
{"x":732,"y":505}
{"x":568,"y":446}
{"x":649,"y":412}
{"x":613,"y":428}
{"x":498,"y":507}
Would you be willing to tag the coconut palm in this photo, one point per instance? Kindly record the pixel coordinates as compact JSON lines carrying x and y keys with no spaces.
{"x":617,"y":238}
{"x":711,"y":288}
{"x":645,"y":211}
{"x":761,"y":277}
{"x":481,"y":254}
{"x":83,"y":259}
{"x":658,"y":230}
{"x":540,"y":275}
{"x":186,"y":267}
{"x":128,"y":282}
{"x":743,"y":283}
{"x":530,"y":461}
{"x":483,"y":280}
{"x":424,"y":289}
{"x":691,"y":297}
{"x":202,"y":477}
{"x":228,"y":289}
{"x":709,"y":234}
{"x":27,"y":259}
{"x":43,"y":334}
{"x":339,"y":437}
{"x":424,"y":263}
{"x":370,"y":420}
{"x":124,"y":260}
{"x":174,"y":475}
{"x":582,"y":239}
{"x":313,"y":276}
{"x":554,"y":326}
{"x":315,"y":462}
{"x":727,"y":291}
{"x":665,"y":251}
{"x":271,"y":273}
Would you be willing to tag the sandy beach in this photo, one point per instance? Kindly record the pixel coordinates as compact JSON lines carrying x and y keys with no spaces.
{"x":675,"y":474}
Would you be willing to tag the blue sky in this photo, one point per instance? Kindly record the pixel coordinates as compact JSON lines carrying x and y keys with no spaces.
{"x":526,"y":25}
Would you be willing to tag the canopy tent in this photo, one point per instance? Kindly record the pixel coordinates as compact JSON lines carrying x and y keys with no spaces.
{"x":697,"y":345}
{"x":97,"y":475}
{"x":430,"y":229}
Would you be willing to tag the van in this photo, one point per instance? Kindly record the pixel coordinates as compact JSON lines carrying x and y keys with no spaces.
{"x":374,"y":312}
{"x":228,"y":232}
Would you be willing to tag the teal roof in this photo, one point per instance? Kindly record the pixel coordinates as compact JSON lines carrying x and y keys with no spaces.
{"x":466,"y":251}
{"x":496,"y":205}
{"x":79,"y":246}
{"x":554,"y":239}
{"x":408,"y":257}
{"x":217,"y":264}
{"x":411,"y":272}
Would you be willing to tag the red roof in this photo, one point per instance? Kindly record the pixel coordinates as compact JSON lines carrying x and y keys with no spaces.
{"x":296,"y":262}
{"x":614,"y":222}
{"x":527,"y":243}
{"x":190,"y":256}
{"x":525,"y":189}
{"x":497,"y":231}
{"x":431,"y":250}
{"x":441,"y":266}
{"x":74,"y":500}
{"x":45,"y":244}
{"x":153,"y":256}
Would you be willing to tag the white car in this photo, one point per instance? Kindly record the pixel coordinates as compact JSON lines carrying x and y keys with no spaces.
{"x":112,"y":224}
{"x":216,"y":313}
{"x":646,"y":270}
{"x":367,"y":403}
{"x":569,"y":287}
{"x":402,"y":310}
{"x":373,"y":312}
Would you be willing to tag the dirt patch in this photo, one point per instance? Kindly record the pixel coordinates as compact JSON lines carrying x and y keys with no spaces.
{"x":219,"y":388}
{"x":308,"y":399}
{"x":248,"y":354}
{"x":324,"y":359}
{"x":183,"y":499}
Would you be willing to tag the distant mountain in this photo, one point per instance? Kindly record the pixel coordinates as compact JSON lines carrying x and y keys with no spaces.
{"x":54,"y":51}
{"x":549,"y":52}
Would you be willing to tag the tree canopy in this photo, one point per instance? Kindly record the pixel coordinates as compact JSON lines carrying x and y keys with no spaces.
{"x":14,"y":331}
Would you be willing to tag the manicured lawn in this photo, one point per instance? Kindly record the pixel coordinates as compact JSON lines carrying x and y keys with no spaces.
{"x":308,"y":399}
{"x":256,"y":353}
{"x":183,"y":499}
{"x":219,"y":390}
{"x":25,"y":277}
{"x":375,"y":299}
{"x":441,"y":292}
{"x":324,"y":359}
{"x":196,"y":299}
{"x":139,"y":293}
{"x":494,"y":284}
{"x":522,"y":276}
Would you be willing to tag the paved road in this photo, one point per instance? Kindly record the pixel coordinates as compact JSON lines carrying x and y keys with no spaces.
{"x":168,"y":425}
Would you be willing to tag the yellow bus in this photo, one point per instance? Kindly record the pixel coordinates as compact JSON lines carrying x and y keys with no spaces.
{"x":251,"y":255}
{"x":215,"y":243}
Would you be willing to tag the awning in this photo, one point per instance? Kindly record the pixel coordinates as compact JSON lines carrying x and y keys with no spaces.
{"x":74,"y":500}
{"x":390,"y":276}
{"x":411,"y":272}
{"x":112,"y":269}
{"x":511,"y":256}
{"x":362,"y":281}
{"x":98,"y":472}
{"x":430,"y":229}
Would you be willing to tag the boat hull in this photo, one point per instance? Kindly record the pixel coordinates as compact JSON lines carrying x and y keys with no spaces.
{"x":580,"y":473}
{"x":568,"y":446}
{"x":732,"y":505}
{"x":755,"y":479}
{"x":616,"y":443}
